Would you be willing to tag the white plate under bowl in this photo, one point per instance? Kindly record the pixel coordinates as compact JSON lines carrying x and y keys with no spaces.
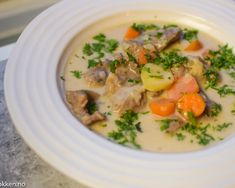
{"x":42,"y":118}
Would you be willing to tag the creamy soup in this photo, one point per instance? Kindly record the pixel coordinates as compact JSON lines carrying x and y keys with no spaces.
{"x":161,"y":88}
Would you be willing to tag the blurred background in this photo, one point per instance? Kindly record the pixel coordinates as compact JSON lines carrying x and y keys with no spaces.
{"x":14,"y":16}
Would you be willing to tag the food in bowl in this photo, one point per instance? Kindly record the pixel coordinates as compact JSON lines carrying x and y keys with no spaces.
{"x":162,"y":88}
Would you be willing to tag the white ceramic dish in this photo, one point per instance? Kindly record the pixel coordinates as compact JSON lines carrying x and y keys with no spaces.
{"x":41,"y":117}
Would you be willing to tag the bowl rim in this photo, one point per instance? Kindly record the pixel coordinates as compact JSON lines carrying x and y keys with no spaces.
{"x":132,"y":154}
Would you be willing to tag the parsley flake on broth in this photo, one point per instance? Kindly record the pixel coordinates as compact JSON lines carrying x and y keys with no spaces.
{"x":154,"y":87}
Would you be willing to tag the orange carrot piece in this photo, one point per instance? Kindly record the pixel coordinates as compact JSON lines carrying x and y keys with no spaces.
{"x":194,"y":46}
{"x":142,"y":60}
{"x":162,"y":107}
{"x":185,"y":84}
{"x":191,"y":102}
{"x":131,"y":34}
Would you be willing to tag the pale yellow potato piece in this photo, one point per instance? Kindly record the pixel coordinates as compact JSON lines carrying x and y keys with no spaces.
{"x":155,"y":78}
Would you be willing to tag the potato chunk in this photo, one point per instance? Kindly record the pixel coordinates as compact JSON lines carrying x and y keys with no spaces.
{"x":155,"y":78}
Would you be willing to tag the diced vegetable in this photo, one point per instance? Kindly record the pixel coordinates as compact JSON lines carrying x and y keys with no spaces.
{"x":131,"y":34}
{"x":191,"y":102}
{"x":162,"y":107}
{"x":155,"y":78}
{"x":194,"y":46}
{"x":142,"y":60}
{"x":185,"y":84}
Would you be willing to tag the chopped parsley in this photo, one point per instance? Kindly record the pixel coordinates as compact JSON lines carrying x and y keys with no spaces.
{"x":199,"y":133}
{"x":127,"y":128}
{"x":100,"y":37}
{"x":77,"y":74}
{"x":87,"y":50}
{"x":169,"y":26}
{"x":159,"y":34}
{"x":62,"y":78}
{"x":190,"y":34}
{"x":225,"y":90}
{"x":144,"y":27}
{"x":108,"y":113}
{"x":192,"y":119}
{"x":111,"y":45}
{"x":103,"y":125}
{"x":92,"y":63}
{"x":180,"y":136}
{"x":212,"y":77}
{"x":214,"y":110}
{"x":165,"y":123}
{"x":147,"y":69}
{"x":221,"y":127}
{"x":233,"y":109}
{"x":144,"y":113}
{"x":232,"y":74}
{"x":133,"y":81}
{"x":98,"y":49}
{"x":223,"y":58}
{"x":131,"y":58}
{"x":156,"y":76}
{"x":113,"y":65}
{"x":170,"y":59}
{"x":91,"y":107}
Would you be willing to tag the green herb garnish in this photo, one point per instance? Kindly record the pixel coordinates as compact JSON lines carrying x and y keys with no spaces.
{"x":223,"y":58}
{"x":133,"y":81}
{"x":180,"y":136}
{"x":170,"y":59}
{"x":77,"y":73}
{"x":212,"y":77}
{"x":111,"y":45}
{"x":87,"y":50}
{"x":159,"y":34}
{"x":221,"y":127}
{"x":190,"y":34}
{"x":214,"y":110}
{"x":169,"y":26}
{"x":92,"y":63}
{"x":127,"y":127}
{"x":100,"y":37}
{"x":98,"y":49}
{"x":91,"y":107}
{"x":165,"y":123}
{"x":144,"y":27}
{"x":225,"y":90}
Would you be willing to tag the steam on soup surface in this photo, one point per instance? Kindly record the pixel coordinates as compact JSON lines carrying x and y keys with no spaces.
{"x":161,"y":88}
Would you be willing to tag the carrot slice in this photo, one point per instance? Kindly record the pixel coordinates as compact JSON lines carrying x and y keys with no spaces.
{"x":162,"y":107}
{"x":131,"y":34}
{"x":142,"y":60}
{"x":191,"y":102}
{"x":194,"y":46}
{"x":185,"y":84}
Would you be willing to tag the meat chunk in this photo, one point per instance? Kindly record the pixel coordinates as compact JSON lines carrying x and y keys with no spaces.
{"x":128,"y":98}
{"x":127,"y":74}
{"x":135,"y":47}
{"x":96,"y":76}
{"x":195,"y":67}
{"x":112,"y":84}
{"x":178,"y":71}
{"x":175,"y":126}
{"x":78,"y":101}
{"x":161,"y":38}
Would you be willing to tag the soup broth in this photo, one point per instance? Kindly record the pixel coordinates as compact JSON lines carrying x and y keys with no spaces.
{"x":153,"y":87}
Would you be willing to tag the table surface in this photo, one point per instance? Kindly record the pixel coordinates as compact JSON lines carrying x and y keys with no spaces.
{"x":18,"y":163}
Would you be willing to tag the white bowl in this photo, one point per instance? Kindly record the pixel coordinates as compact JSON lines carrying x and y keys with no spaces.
{"x":34,"y":100}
